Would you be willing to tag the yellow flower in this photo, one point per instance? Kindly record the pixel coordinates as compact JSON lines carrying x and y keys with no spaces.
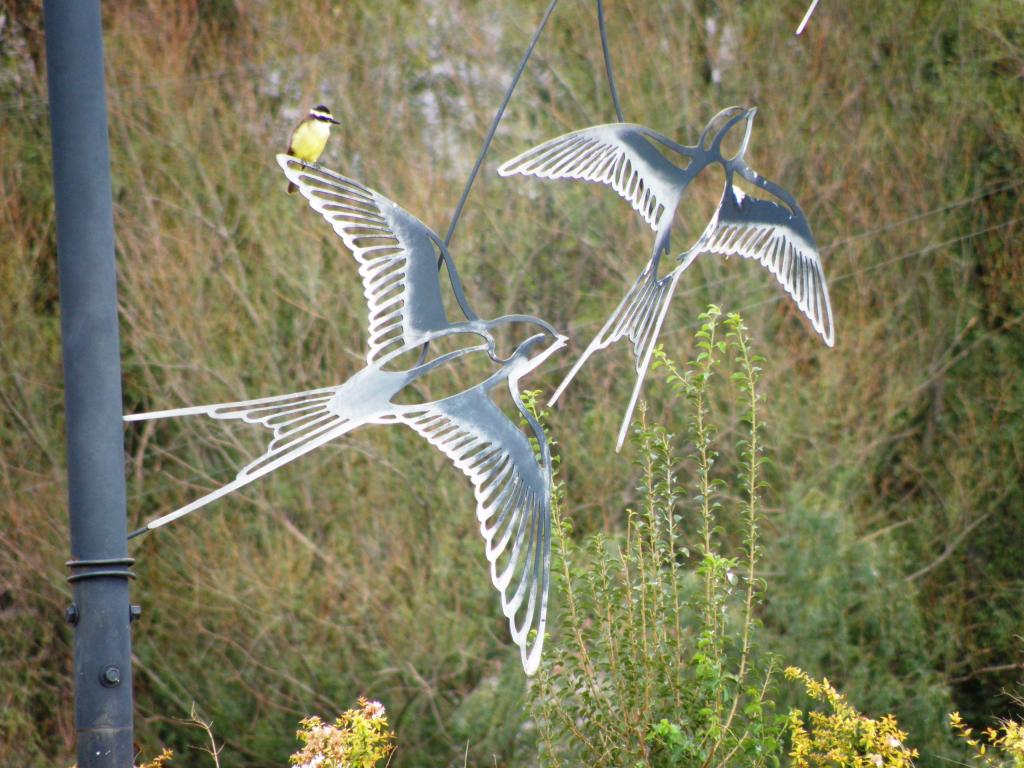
{"x":1003,"y":746}
{"x":358,"y":738}
{"x":843,"y":737}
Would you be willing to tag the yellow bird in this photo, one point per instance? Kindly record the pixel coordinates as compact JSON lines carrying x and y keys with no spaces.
{"x":310,"y":136}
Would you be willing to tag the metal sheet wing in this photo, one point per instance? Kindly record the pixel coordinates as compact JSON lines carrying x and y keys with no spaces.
{"x":513,"y":496}
{"x":780,"y":240}
{"x":619,"y":155}
{"x":397,"y":255}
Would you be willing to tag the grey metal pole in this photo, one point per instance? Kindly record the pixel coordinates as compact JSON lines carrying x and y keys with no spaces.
{"x":92,"y":384}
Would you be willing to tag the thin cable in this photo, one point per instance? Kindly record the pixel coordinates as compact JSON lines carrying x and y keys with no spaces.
{"x":39,"y":104}
{"x":929,"y":248}
{"x":494,"y":123}
{"x":878,"y":265}
{"x":918,"y":216}
{"x":807,"y":16}
{"x":868,"y":233}
{"x":832,"y":280}
{"x":608,"y":61}
{"x":441,"y":259}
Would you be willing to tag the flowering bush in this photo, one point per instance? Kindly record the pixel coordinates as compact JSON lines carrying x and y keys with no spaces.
{"x":158,"y":761}
{"x":845,"y":737}
{"x":657,"y":663}
{"x":359,"y":738}
{"x":996,"y":747}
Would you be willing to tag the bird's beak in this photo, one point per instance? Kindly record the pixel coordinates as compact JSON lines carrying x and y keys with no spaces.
{"x":559,"y":342}
{"x":548,"y":351}
{"x":336,"y":122}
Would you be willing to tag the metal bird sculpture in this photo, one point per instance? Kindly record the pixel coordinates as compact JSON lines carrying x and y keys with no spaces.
{"x":629,"y":159}
{"x":398,"y":264}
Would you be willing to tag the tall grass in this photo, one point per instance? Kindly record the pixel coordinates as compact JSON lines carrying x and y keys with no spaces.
{"x":359,"y":571}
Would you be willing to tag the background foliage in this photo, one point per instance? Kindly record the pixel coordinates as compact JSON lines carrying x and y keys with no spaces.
{"x":896,"y":486}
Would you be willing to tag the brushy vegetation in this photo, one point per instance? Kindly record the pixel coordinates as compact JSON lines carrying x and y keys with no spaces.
{"x":656,"y":663}
{"x":843,"y":736}
{"x":994,"y":747}
{"x":358,"y":738}
{"x":889,"y":536}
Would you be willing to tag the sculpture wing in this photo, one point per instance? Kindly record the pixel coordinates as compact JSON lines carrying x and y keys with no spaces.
{"x":779,"y":237}
{"x":397,"y":255}
{"x":513,"y":495}
{"x":619,"y":155}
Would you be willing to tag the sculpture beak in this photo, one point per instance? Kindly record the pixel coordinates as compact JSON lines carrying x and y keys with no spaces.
{"x":559,"y":342}
{"x":523,"y":365}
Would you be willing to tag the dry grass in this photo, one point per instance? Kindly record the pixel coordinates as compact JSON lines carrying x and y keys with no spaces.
{"x":358,"y":570}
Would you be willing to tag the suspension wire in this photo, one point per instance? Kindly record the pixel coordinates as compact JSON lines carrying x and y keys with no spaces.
{"x":807,"y":16}
{"x":931,"y":248}
{"x":483,"y":151}
{"x":161,"y":488}
{"x":870,"y":234}
{"x":780,"y":296}
{"x":249,"y":71}
{"x":918,"y":216}
{"x":608,"y":61}
{"x":494,"y":124}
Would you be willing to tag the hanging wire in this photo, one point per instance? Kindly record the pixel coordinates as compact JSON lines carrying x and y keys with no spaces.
{"x":807,"y":16}
{"x":926,"y":250}
{"x":494,"y":124}
{"x":832,"y":280}
{"x":872,"y":233}
{"x":608,"y":61}
{"x":248,"y":71}
{"x":487,"y":145}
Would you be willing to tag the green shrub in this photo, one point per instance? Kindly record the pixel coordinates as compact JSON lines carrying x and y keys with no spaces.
{"x":656,"y":663}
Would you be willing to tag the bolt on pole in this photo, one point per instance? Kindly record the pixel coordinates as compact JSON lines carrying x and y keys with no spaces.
{"x":100,"y":564}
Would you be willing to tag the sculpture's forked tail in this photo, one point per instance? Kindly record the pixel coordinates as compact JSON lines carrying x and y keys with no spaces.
{"x":301,"y":422}
{"x":638,"y":317}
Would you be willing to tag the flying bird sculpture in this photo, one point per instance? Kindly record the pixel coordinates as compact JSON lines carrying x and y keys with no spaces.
{"x":398,"y":263}
{"x":629,"y":158}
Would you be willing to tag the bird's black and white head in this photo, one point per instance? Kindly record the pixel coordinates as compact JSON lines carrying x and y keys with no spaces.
{"x":322,"y":114}
{"x":727,"y":134}
{"x":522,"y":342}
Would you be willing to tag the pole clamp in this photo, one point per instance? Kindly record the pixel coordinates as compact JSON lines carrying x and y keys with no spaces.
{"x":94,"y":569}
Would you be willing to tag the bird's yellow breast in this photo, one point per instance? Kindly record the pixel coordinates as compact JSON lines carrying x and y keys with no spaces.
{"x":309,"y":139}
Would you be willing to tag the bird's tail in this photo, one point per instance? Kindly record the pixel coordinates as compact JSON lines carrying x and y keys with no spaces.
{"x":300,"y":422}
{"x":292,"y":189}
{"x":638,"y":317}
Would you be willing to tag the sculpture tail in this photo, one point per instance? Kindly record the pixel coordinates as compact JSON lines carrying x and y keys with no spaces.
{"x":647,"y":326}
{"x":638,"y":317}
{"x":301,"y":422}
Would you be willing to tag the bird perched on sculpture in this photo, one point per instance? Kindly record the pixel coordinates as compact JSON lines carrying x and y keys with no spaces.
{"x":310,"y":136}
{"x":629,"y":158}
{"x":398,"y":259}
